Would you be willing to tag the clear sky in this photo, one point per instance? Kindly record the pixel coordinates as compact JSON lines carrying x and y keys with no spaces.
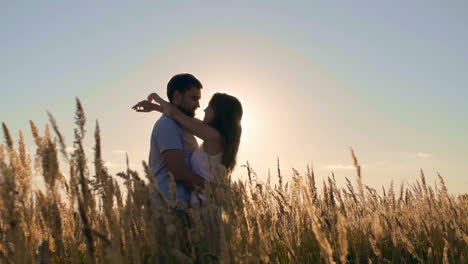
{"x":314,"y":77}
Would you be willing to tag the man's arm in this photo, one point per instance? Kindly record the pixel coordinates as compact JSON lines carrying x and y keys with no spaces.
{"x":169,"y":138}
{"x":175,"y":163}
{"x":193,"y":125}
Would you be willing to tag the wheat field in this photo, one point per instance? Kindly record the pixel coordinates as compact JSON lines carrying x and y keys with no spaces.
{"x":84,"y":217}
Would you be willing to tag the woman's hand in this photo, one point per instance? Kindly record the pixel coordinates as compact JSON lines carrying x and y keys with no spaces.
{"x":145,"y":106}
{"x":167,"y":108}
{"x":156,"y":98}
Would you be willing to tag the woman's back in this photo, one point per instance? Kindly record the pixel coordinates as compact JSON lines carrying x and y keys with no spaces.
{"x":200,"y":162}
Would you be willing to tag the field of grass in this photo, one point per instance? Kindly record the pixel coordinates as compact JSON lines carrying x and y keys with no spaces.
{"x":88,"y":218}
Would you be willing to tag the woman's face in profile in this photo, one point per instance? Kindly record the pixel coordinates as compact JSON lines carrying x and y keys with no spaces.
{"x":209,"y":115}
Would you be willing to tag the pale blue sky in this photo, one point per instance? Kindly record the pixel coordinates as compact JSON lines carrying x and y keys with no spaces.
{"x":314,"y":77}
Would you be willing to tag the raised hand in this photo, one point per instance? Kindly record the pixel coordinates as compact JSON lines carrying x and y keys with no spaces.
{"x":157,"y":99}
{"x":167,"y":108}
{"x":146,"y":106}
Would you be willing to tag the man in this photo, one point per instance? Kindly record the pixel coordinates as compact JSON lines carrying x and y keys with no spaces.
{"x":171,"y":146}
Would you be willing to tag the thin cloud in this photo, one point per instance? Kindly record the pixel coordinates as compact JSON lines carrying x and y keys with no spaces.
{"x":340,"y":167}
{"x":423,"y":155}
{"x":71,"y":149}
{"x":112,"y":164}
{"x":120,"y":165}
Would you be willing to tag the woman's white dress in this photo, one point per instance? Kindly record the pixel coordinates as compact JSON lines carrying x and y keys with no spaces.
{"x":201,"y":164}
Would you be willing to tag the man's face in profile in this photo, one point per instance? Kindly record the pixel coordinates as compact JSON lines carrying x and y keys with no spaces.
{"x":188,"y":101}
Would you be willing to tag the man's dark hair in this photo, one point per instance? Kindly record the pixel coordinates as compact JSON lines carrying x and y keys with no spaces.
{"x":181,"y":82}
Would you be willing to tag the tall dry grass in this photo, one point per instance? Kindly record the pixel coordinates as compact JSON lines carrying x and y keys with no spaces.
{"x":84,"y":218}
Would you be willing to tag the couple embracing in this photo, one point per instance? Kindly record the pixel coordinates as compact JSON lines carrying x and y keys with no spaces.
{"x":174,"y":149}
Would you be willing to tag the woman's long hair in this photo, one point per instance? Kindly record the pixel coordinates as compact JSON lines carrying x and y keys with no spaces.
{"x":227,"y":120}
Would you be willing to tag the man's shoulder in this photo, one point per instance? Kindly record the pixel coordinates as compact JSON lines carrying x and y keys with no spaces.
{"x":165,"y":122}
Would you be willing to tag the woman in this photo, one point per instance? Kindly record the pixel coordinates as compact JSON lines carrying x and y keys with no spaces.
{"x":220,"y":131}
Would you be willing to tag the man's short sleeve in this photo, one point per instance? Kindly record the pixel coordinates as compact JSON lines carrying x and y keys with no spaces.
{"x":168,"y":135}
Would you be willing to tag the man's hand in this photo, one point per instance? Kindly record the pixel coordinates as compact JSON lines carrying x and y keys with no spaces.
{"x":175,"y":163}
{"x":145,"y":106}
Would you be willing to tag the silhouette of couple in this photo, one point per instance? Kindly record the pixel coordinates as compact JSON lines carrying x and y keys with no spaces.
{"x":174,"y":149}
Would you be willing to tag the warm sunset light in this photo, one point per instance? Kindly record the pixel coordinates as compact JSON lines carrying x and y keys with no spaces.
{"x":337,"y":132}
